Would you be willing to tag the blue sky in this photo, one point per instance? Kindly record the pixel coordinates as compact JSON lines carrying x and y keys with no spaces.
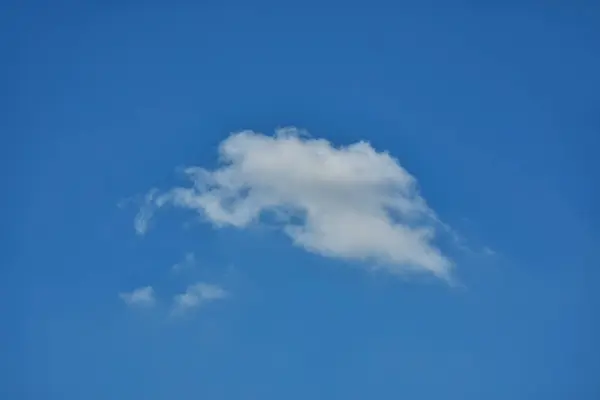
{"x":452,"y":255}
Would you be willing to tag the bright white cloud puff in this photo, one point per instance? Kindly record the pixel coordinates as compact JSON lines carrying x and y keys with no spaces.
{"x":349,"y":202}
{"x":197,"y":295}
{"x":141,"y":297}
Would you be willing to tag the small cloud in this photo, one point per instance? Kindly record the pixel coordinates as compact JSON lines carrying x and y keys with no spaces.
{"x":141,"y":297}
{"x":197,"y":295}
{"x":141,"y":222}
{"x":188,"y":262}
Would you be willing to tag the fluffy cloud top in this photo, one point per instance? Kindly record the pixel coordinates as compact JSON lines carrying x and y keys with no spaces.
{"x":198,"y":294}
{"x":349,"y":202}
{"x":141,"y":297}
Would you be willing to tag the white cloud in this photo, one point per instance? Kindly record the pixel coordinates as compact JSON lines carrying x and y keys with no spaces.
{"x":197,"y":295}
{"x":143,"y":217}
{"x":141,"y":297}
{"x":349,"y":202}
{"x":188,"y":261}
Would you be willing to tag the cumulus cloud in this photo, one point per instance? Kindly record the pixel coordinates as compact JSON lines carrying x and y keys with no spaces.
{"x":141,"y":297}
{"x":350,"y":202}
{"x":197,"y":295}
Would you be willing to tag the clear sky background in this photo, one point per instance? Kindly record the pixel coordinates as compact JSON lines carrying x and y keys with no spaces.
{"x":108,"y":292}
